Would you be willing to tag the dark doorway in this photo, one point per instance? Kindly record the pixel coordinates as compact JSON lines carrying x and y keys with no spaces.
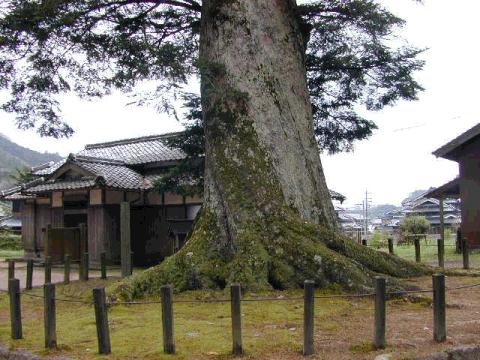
{"x":74,"y":220}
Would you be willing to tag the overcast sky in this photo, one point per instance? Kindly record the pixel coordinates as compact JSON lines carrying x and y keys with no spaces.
{"x":394,"y":162}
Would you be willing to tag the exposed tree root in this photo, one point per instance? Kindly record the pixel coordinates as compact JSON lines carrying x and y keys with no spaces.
{"x":279,"y":253}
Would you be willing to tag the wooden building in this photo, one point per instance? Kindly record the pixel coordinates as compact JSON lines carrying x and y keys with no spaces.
{"x":465,"y":150}
{"x":107,"y":187}
{"x":89,"y":188}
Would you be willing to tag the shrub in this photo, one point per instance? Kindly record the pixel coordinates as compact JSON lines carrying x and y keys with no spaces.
{"x":413,"y":225}
{"x":10,"y":241}
{"x":379,"y":239}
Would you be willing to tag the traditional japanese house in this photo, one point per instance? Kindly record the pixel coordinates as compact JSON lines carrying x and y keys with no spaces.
{"x":107,"y":187}
{"x":88,"y":188}
{"x":465,"y":150}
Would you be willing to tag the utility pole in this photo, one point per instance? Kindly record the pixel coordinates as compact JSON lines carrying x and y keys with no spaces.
{"x":365,"y":214}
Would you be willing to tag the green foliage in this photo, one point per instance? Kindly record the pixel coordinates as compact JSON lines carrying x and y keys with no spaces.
{"x":91,"y":47}
{"x":350,"y":61}
{"x":379,"y":239}
{"x":22,"y":175}
{"x":10,"y":241}
{"x":187,"y":177}
{"x":414,"y":225}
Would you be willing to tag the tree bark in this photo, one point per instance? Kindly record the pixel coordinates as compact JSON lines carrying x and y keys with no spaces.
{"x":254,"y":84}
{"x":267,"y":218}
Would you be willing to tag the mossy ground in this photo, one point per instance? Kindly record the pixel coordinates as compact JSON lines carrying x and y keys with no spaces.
{"x":202,"y":330}
{"x":279,"y":252}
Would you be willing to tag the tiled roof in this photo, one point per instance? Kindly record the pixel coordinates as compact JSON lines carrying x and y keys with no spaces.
{"x":135,"y":151}
{"x":49,"y":169}
{"x":114,"y":174}
{"x":18,"y":196}
{"x":62,"y":185}
{"x":111,"y":173}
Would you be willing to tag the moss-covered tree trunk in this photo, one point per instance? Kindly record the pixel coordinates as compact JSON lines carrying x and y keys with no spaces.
{"x":267,"y":218}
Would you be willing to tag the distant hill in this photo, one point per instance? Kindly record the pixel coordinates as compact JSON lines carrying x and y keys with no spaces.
{"x":13,"y":156}
{"x":376,"y":211}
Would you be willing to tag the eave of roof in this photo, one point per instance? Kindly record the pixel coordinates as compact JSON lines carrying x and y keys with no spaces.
{"x":449,"y":190}
{"x":62,"y":185}
{"x":447,"y":151}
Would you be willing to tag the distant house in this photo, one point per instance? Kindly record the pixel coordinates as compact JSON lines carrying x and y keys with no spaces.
{"x":420,"y":203}
{"x":430,"y":209}
{"x":108,"y":186}
{"x":465,"y":150}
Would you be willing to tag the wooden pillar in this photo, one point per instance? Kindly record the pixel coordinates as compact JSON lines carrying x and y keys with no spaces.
{"x":48,"y":241}
{"x":83,"y":240}
{"x":125,"y":247}
{"x":442,"y":220}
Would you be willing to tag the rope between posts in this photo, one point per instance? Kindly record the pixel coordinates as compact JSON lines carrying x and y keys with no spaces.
{"x":72,"y":299}
{"x":59,"y":299}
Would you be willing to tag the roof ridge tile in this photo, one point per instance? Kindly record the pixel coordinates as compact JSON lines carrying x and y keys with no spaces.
{"x":131,"y":140}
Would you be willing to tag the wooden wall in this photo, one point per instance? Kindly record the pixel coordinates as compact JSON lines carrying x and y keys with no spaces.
{"x":42,"y":220}
{"x":104,"y":233}
{"x":28,"y":229}
{"x":470,"y":193}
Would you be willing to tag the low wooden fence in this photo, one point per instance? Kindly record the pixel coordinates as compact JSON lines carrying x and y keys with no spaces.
{"x":101,"y":305}
{"x":440,"y":251}
{"x":83,"y":267}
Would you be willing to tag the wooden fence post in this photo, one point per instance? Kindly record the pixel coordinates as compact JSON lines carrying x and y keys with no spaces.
{"x":101,"y":318}
{"x":125,"y":246}
{"x":390,"y":246}
{"x":308,"y":316}
{"x":418,"y":256}
{"x":15,"y":309}
{"x":441,"y":253}
{"x":466,"y":254}
{"x":85,"y":266}
{"x":11,"y":269}
{"x":29,"y":282}
{"x":48,"y":270}
{"x":380,"y":312}
{"x":236,"y":311}
{"x":103,"y":265}
{"x":49,"y":316}
{"x":166,"y":293}
{"x":439,"y":316}
{"x":66,"y":269}
{"x":131,"y":262}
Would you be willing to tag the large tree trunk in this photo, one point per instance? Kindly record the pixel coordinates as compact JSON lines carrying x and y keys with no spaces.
{"x":267,"y":218}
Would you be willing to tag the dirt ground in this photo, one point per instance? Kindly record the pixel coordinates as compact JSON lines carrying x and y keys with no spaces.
{"x":409,"y":326}
{"x":39,"y":274}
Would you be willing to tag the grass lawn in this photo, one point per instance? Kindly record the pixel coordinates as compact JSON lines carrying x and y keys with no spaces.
{"x":10,"y":245}
{"x":11,"y":253}
{"x":429,"y":253}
